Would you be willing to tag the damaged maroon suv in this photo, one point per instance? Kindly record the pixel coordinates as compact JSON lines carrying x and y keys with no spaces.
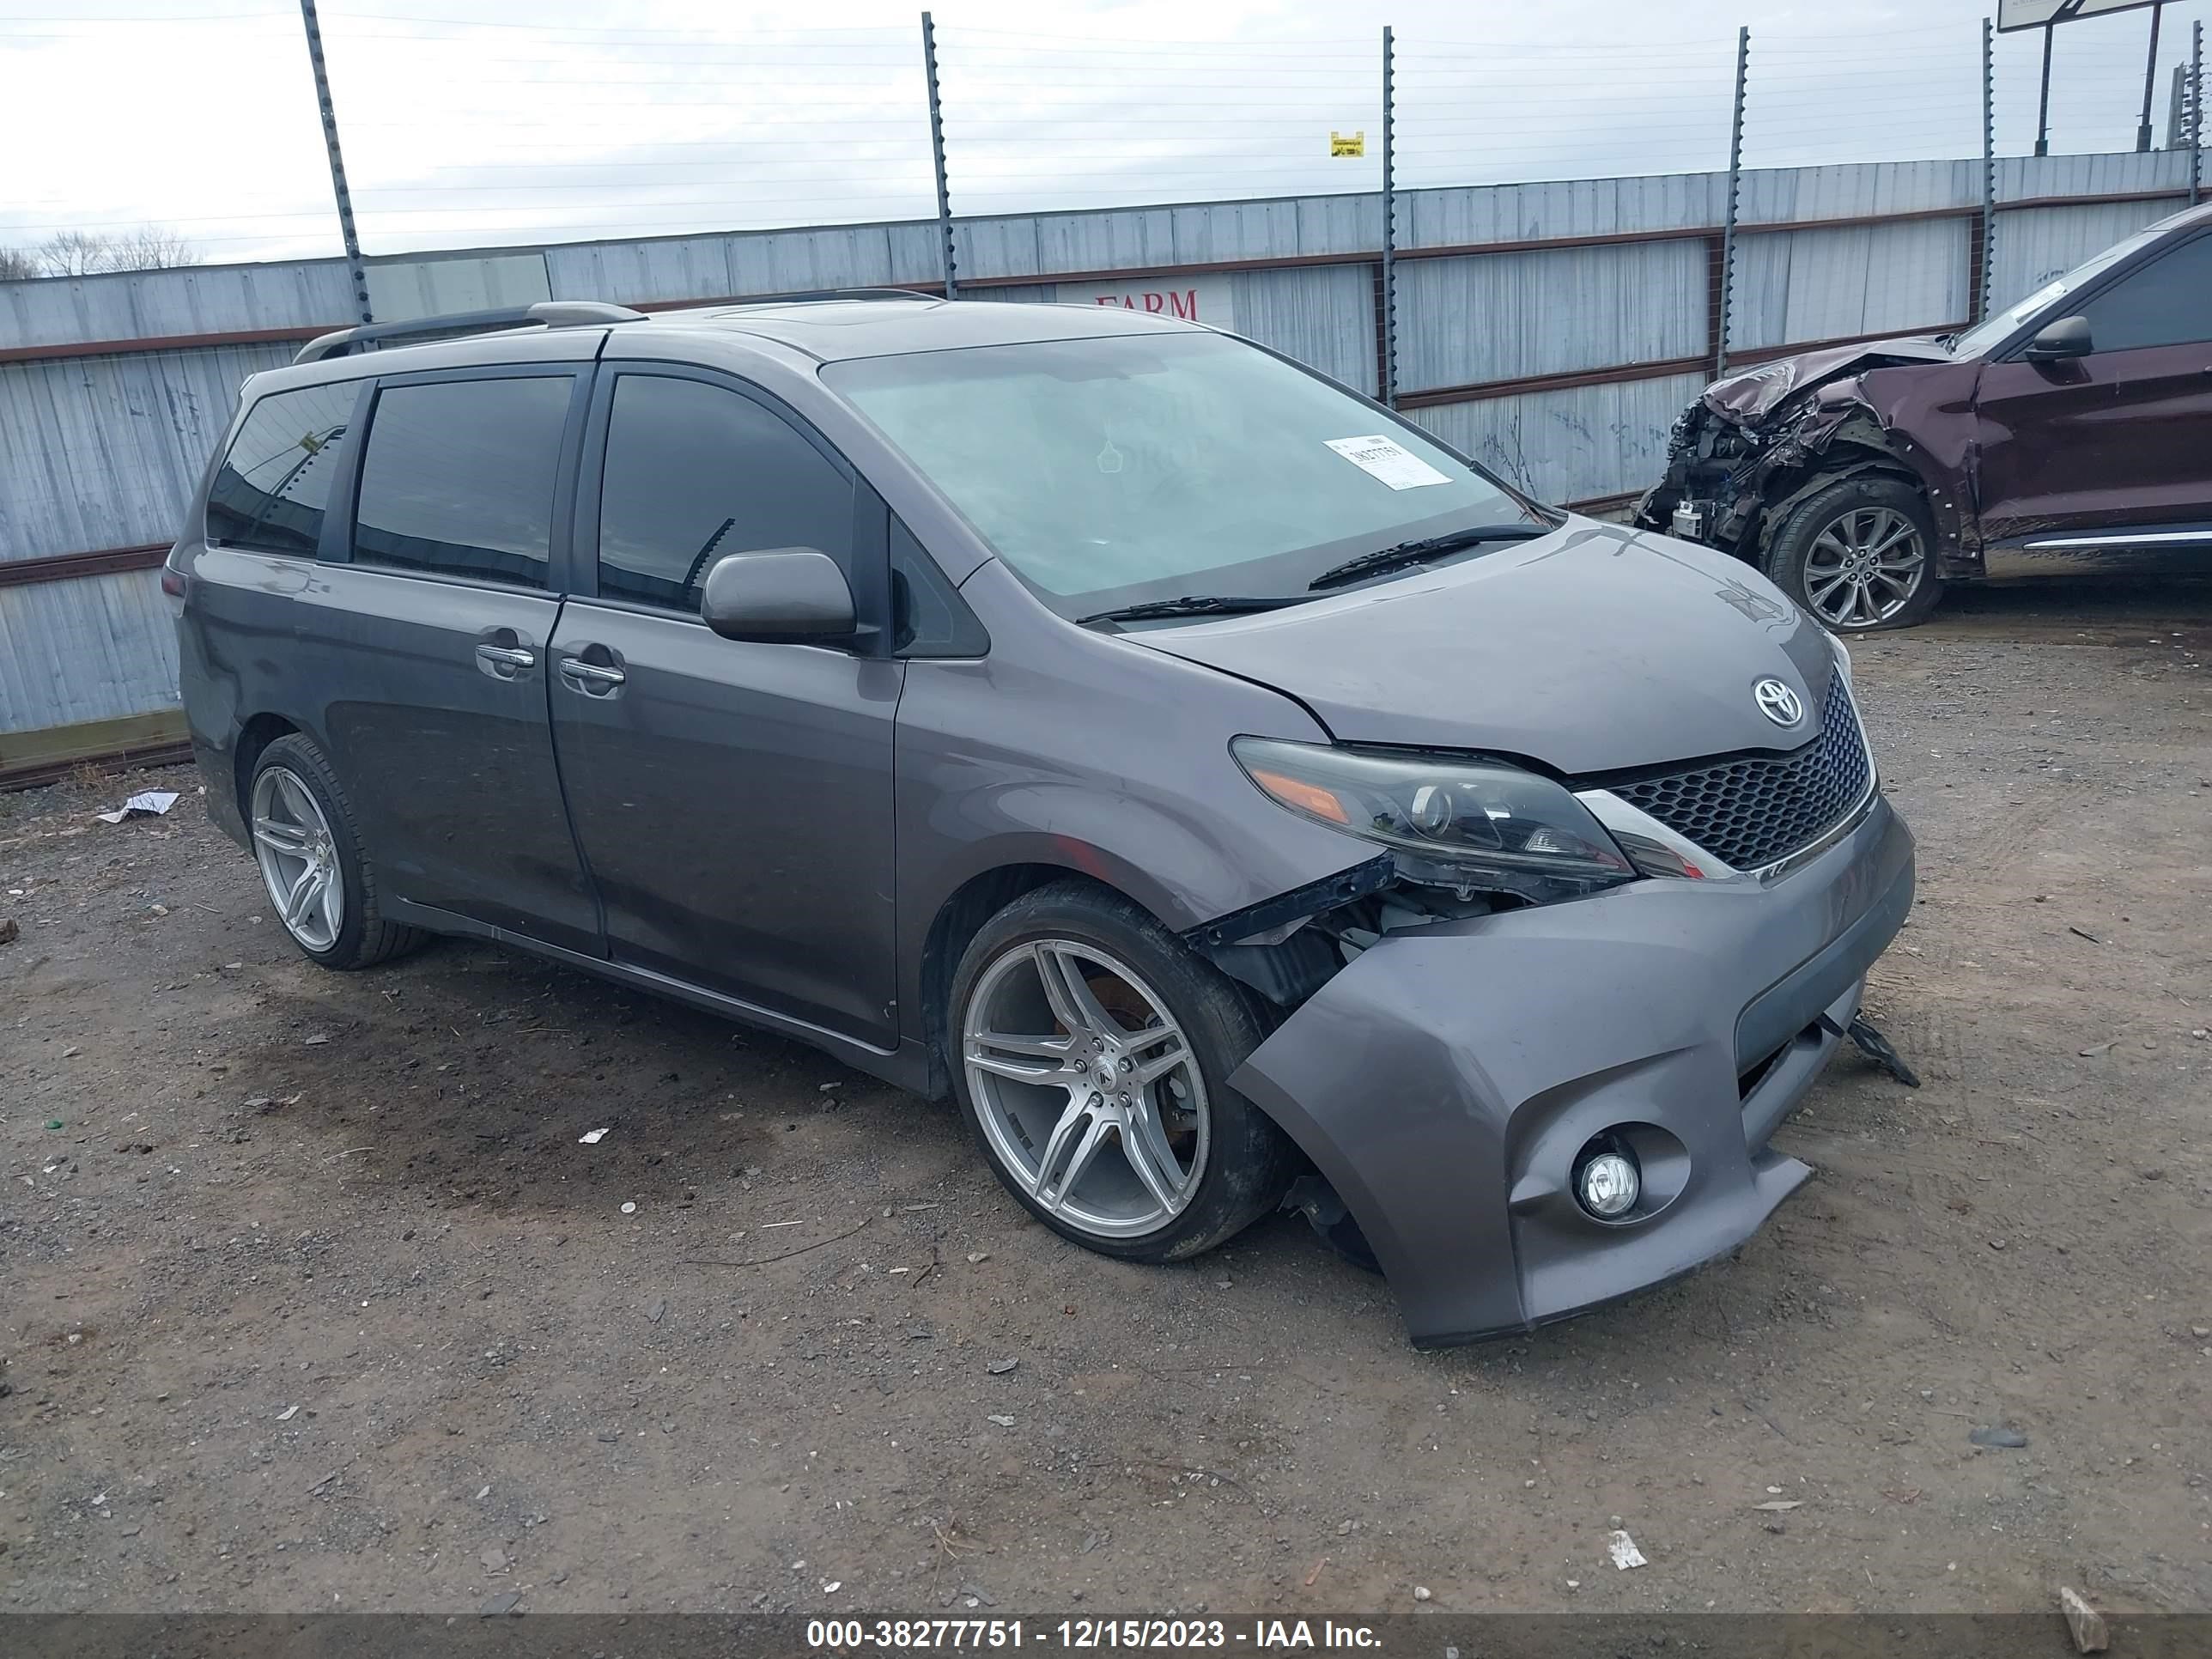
{"x":2070,"y":434}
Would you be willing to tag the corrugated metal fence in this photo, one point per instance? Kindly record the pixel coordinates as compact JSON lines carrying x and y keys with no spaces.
{"x":1551,"y":331}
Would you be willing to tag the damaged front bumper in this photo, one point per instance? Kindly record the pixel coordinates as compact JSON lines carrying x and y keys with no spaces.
{"x":1445,"y":1080}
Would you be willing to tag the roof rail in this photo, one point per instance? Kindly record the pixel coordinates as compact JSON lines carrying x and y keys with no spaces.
{"x":551,"y":313}
{"x":815,"y":295}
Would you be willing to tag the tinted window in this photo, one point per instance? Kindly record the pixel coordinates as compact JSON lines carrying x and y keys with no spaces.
{"x":695,"y":471}
{"x":271,"y":488}
{"x":2167,"y":302}
{"x":458,"y":477}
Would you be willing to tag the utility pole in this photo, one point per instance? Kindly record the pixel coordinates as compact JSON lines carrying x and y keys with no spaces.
{"x":1734,"y":183}
{"x":937,"y":157}
{"x":353,"y":266}
{"x":2150,"y":77}
{"x":1389,"y":239}
{"x":2042,"y":101}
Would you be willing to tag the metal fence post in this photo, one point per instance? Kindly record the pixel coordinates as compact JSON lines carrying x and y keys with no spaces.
{"x":1389,"y":236}
{"x":354,"y":265}
{"x":937,"y":157}
{"x":2150,"y":78}
{"x":2196,"y":109}
{"x":1728,"y":223}
{"x":1978,"y":302}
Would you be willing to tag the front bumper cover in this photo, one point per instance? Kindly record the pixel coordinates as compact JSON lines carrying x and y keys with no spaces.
{"x":1444,"y":1080}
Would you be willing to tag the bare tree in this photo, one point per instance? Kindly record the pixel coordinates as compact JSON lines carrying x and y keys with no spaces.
{"x":73,"y":253}
{"x":151,"y":247}
{"x":16,"y":265}
{"x":86,"y":253}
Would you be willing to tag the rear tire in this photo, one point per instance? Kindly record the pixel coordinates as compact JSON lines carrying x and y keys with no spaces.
{"x":318,"y":874}
{"x":1091,"y":1051}
{"x":1859,"y":556}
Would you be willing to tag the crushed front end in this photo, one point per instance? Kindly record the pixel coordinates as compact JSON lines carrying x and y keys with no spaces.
{"x":1531,"y":1108}
{"x":1757,"y":443}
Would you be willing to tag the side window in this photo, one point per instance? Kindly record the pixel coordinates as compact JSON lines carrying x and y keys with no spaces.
{"x":929,"y":617}
{"x":457,"y":477}
{"x":270,"y":490}
{"x":2167,"y":302}
{"x":694,"y":471}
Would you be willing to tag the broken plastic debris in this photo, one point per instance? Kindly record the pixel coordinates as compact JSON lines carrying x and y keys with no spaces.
{"x":591,"y":1138}
{"x":1780,"y":1505}
{"x":629,"y":1209}
{"x":1003,"y":1422}
{"x":147,"y":804}
{"x":1622,"y":1548}
{"x":288,"y":1413}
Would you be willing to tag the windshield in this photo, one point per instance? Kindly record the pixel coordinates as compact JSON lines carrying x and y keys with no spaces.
{"x":1108,"y":472}
{"x":1999,"y":324}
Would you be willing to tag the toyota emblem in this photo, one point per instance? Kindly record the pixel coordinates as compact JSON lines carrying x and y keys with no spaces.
{"x":1777,"y":703}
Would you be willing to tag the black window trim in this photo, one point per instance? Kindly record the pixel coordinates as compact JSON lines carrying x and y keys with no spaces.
{"x":871,"y":573}
{"x":337,"y":546}
{"x":2069,"y":304}
{"x":337,"y":507}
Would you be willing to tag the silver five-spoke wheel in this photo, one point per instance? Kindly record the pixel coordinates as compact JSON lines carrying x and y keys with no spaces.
{"x":1086,"y":1088}
{"x":1865,"y":566}
{"x":299,"y":861}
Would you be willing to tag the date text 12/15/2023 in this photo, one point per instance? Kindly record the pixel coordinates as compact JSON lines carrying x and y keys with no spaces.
{"x":1259,"y":1636}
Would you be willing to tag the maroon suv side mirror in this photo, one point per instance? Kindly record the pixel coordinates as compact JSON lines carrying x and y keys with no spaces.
{"x":2067,"y":337}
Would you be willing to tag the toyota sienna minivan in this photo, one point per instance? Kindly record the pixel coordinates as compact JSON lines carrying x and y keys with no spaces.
{"x":1219,"y":787}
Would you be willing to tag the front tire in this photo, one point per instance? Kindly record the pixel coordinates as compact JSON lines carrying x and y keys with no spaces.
{"x":1093,"y":1050}
{"x":1859,"y":556}
{"x":313,"y":864}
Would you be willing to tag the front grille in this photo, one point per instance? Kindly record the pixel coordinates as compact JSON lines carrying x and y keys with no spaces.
{"x":1754,"y":810}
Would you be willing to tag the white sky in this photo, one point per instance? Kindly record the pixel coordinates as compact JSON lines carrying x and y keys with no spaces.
{"x":471,"y":123}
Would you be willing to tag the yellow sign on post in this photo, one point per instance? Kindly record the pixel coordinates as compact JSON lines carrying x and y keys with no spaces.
{"x":1347,"y":143}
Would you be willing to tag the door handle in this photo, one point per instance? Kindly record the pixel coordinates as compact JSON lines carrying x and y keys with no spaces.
{"x":595,"y":678}
{"x":504,"y":662}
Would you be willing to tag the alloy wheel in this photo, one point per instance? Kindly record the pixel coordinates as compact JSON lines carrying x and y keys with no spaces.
{"x":298,"y":856}
{"x":1864,"y":567}
{"x":1087,"y":1088}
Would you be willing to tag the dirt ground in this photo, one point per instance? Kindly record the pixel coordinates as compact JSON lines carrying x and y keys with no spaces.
{"x":314,"y":1300}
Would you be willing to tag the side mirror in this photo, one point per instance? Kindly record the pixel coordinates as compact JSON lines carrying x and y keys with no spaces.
{"x":2067,"y":337}
{"x":778,"y":594}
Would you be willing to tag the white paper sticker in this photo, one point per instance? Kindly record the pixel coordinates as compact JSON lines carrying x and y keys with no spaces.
{"x":1393,"y":462}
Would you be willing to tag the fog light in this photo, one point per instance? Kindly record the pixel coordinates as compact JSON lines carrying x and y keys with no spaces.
{"x":1607,"y":1186}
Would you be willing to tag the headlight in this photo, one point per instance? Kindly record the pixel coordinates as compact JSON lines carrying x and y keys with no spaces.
{"x":1452,"y":823}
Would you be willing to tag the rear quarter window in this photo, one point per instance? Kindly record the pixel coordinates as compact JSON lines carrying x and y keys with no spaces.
{"x":458,"y":476}
{"x":274,"y":485}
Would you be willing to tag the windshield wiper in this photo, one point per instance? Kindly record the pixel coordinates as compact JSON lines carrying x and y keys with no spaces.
{"x":1408,"y":553}
{"x":1191,"y":604}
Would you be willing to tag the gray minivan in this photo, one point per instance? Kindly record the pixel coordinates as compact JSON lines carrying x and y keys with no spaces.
{"x":1223,"y":790}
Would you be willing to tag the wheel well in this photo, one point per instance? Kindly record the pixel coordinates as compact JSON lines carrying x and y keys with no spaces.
{"x":258,"y":733}
{"x":958,"y":919}
{"x":1783,"y":492}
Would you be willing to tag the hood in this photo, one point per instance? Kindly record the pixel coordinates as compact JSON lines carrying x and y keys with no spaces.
{"x":1744,"y":398}
{"x":1594,"y":649}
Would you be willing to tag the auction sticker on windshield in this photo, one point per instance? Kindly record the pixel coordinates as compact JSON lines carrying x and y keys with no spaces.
{"x":1392,"y":463}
